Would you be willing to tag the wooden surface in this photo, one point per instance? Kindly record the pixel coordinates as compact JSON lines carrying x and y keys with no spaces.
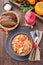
{"x":5,"y":59}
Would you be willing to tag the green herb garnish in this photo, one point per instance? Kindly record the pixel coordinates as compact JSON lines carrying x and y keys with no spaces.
{"x":25,"y":9}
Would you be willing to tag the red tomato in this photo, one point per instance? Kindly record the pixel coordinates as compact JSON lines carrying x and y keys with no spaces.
{"x":5,"y":31}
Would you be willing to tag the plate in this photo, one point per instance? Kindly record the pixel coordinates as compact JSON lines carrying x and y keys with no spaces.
{"x":8,"y":48}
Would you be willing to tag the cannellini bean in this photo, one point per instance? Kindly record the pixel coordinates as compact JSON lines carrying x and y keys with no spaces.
{"x":16,"y":40}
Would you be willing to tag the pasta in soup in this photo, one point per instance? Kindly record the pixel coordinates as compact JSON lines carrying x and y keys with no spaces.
{"x":21,"y":44}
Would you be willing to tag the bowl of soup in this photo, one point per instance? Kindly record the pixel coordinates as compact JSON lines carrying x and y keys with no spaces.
{"x":21,"y":44}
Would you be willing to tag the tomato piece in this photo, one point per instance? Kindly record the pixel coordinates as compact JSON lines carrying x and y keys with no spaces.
{"x":18,"y":46}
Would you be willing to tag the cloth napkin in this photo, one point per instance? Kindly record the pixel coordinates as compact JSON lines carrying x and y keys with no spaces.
{"x":35,"y":53}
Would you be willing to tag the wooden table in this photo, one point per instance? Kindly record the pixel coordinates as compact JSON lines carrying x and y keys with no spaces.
{"x":5,"y":59}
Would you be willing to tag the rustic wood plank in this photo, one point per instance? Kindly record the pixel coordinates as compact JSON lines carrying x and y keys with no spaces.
{"x":5,"y":59}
